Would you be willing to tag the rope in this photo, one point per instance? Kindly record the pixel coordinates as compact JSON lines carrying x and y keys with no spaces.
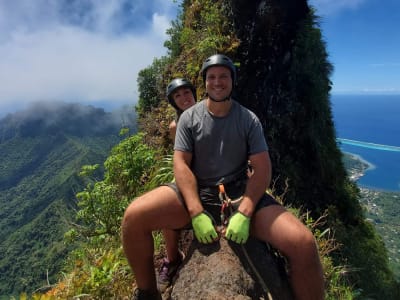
{"x":227,"y":203}
{"x":258,"y":275}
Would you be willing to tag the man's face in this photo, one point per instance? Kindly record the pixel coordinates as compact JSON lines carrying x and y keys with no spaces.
{"x":218,"y":82}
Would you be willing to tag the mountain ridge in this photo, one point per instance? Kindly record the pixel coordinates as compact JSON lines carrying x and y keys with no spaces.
{"x":40,"y":163}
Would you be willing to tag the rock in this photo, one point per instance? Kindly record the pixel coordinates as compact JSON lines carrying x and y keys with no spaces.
{"x":226,"y":270}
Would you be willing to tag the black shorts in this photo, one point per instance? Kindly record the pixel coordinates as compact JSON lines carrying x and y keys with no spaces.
{"x":209,"y":197}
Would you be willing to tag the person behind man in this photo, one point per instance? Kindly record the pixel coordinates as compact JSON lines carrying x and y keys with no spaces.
{"x":215,"y":140}
{"x":181,"y":94}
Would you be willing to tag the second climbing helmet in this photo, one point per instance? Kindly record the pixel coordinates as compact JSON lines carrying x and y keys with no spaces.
{"x":176,"y":84}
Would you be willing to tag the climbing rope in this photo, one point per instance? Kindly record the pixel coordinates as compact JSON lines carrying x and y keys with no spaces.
{"x":226,"y":204}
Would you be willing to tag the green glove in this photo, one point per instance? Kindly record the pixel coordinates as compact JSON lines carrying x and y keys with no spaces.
{"x":238,"y":228}
{"x":203,"y":228}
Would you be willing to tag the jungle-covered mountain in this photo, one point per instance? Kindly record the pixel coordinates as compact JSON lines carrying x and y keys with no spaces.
{"x":43,"y":149}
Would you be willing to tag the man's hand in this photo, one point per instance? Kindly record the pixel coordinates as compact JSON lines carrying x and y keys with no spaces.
{"x":203,"y":228}
{"x":238,"y":228}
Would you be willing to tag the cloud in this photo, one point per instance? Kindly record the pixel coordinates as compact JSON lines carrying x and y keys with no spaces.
{"x":388,"y":90}
{"x":329,"y":7}
{"x":160,"y":25}
{"x":67,"y":62}
{"x":78,"y":50}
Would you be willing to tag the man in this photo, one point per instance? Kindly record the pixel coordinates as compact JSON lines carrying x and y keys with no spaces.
{"x":215,"y":140}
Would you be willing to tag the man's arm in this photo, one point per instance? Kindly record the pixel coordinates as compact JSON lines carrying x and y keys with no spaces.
{"x":257,"y":183}
{"x":186,"y":182}
{"x":202,"y":224}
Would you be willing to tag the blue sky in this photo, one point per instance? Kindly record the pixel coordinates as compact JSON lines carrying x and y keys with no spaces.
{"x":91,"y":51}
{"x":363,"y":43}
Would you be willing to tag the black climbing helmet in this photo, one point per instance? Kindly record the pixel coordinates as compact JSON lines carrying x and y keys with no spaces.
{"x":176,"y":84}
{"x":218,"y":60}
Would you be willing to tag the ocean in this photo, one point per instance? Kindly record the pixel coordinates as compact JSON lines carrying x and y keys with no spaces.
{"x":369,"y":126}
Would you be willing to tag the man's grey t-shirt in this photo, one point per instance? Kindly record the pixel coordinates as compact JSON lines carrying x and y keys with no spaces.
{"x":220,"y":145}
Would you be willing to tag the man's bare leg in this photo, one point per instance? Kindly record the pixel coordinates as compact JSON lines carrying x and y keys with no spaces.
{"x":155,"y":210}
{"x":280,"y":228}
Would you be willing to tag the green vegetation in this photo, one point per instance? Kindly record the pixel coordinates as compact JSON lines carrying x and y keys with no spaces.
{"x":41,"y":157}
{"x":98,"y":267}
{"x":102,"y":203}
{"x":383,"y":210}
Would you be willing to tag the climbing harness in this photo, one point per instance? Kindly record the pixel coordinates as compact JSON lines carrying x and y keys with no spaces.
{"x":226,"y":211}
{"x":226,"y":204}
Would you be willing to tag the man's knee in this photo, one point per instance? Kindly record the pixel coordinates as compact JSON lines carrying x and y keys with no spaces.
{"x":310,"y":244}
{"x":306,"y":245}
{"x":131,"y":219}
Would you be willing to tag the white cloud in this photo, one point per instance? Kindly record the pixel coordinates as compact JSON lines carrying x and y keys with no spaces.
{"x":45,"y":57}
{"x":70,"y":63}
{"x":388,"y":90}
{"x":160,"y":25}
{"x":328,"y":7}
{"x":103,"y":15}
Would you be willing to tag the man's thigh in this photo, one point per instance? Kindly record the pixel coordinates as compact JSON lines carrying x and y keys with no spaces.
{"x":159,"y":208}
{"x":277,"y":226}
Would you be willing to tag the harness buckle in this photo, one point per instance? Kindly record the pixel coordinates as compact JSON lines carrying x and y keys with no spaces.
{"x":226,"y":204}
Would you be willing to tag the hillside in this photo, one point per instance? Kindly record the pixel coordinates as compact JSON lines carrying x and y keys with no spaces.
{"x":42,"y":150}
{"x":382,"y":209}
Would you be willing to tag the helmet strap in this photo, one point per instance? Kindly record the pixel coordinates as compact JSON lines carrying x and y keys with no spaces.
{"x":223,"y":100}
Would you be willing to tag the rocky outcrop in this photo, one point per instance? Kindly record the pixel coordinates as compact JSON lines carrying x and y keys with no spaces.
{"x":226,"y":270}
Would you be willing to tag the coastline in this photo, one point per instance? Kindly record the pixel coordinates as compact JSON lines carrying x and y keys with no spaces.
{"x":357,"y":167}
{"x":379,"y":206}
{"x":370,"y":166}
